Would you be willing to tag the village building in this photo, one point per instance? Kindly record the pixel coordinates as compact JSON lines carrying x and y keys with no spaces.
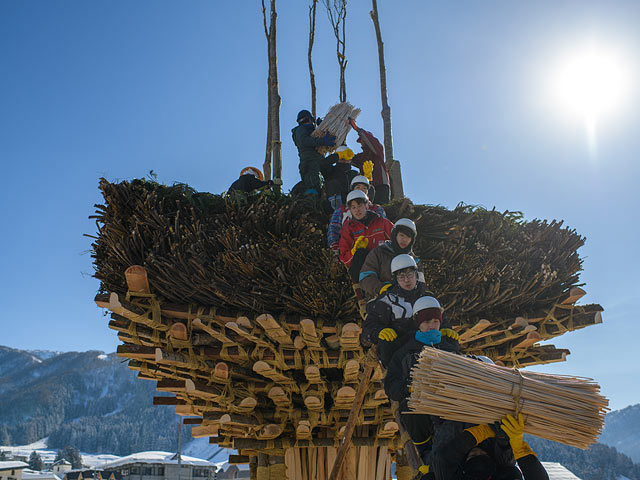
{"x":158,"y":466}
{"x":12,"y":470}
{"x":61,"y":467}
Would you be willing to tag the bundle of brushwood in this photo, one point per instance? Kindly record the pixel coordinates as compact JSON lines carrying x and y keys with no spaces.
{"x":505,"y":283}
{"x":336,"y":122}
{"x":564,"y":409}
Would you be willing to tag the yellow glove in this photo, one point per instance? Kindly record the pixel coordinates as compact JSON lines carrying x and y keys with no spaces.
{"x":447,"y":332}
{"x":514,"y":430}
{"x":384,"y":288}
{"x":481,"y":433}
{"x":387,"y":334}
{"x":361,"y":242}
{"x":424,"y":469}
{"x":367,"y":169}
{"x":346,"y":154}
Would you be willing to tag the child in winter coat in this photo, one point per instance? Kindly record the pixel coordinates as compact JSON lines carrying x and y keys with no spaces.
{"x":427,"y":321}
{"x":389,"y":317}
{"x":342,"y":213}
{"x":362,"y":232}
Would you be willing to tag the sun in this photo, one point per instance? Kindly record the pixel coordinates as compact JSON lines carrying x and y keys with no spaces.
{"x":591,"y":82}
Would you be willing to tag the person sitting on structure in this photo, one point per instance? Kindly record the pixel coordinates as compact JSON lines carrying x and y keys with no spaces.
{"x":250,"y":179}
{"x":311,"y":161}
{"x":427,"y":322}
{"x":341,"y":213}
{"x":363,"y":231}
{"x":373,"y":152}
{"x":375,"y":276}
{"x":389,"y":317}
{"x":485,"y":453}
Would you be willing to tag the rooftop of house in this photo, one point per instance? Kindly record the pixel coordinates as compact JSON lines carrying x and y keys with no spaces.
{"x":156,"y":457}
{"x":557,"y":472}
{"x":13,"y":465}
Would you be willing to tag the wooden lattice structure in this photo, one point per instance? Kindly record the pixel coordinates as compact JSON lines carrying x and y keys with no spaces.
{"x":278,"y":383}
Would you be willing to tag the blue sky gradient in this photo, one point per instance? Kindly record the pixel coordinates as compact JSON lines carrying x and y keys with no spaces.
{"x":115,"y":89}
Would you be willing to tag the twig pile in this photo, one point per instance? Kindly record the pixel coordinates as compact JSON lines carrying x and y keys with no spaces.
{"x":336,"y":122}
{"x":267,"y":253}
{"x":564,"y":409}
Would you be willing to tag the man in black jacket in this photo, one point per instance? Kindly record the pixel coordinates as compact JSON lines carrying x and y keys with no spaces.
{"x":311,"y":161}
{"x":478,"y":454}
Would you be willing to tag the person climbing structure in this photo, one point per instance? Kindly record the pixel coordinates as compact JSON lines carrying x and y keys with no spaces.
{"x":389,"y":317}
{"x":311,"y":161}
{"x":341,"y":213}
{"x":373,"y":151}
{"x":250,"y":179}
{"x":376,"y":276}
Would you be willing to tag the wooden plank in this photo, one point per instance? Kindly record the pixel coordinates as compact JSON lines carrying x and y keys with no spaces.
{"x":575,"y":294}
{"x":168,"y":401}
{"x":138,"y":352}
{"x":137,"y":281}
{"x":475,"y":330}
{"x":239,"y":460}
{"x":273,"y":329}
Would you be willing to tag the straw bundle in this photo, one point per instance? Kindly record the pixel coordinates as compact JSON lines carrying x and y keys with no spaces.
{"x":564,"y":409}
{"x":336,"y":122}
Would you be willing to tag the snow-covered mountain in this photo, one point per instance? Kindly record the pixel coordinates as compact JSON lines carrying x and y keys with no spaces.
{"x":622,"y":430}
{"x":89,"y":400}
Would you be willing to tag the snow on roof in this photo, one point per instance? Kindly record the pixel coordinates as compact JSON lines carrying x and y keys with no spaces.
{"x":35,"y":475}
{"x":558,"y":472}
{"x":156,"y":457}
{"x":13,"y":465}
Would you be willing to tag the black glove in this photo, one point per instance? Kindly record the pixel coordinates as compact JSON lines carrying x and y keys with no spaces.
{"x":318,"y":121}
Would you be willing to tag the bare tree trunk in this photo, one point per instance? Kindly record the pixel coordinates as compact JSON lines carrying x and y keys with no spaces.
{"x":312,"y":34}
{"x":274,"y":150}
{"x":337,"y":12}
{"x":392,"y":165}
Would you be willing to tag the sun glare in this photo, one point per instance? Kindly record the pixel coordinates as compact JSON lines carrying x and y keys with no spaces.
{"x":590,"y":84}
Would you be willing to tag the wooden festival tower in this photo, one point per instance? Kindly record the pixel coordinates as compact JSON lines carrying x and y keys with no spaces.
{"x":238,"y":311}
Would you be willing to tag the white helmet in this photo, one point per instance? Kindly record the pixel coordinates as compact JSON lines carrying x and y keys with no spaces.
{"x":405,"y":222}
{"x":359,"y":179}
{"x":357,"y":194}
{"x":402,"y":261}
{"x":426,"y":302}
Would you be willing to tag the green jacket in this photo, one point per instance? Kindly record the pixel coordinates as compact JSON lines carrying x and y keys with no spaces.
{"x":307,"y":144}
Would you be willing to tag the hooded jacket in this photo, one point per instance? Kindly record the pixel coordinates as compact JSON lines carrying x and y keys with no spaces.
{"x":339,"y":216}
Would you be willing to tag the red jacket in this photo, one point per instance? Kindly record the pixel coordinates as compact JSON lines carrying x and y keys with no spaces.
{"x":380,"y":174}
{"x":374,"y":227}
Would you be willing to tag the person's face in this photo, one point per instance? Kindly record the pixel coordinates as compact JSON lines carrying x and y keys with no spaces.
{"x":407,"y":278}
{"x":358,"y":209}
{"x":433,"y":324}
{"x":403,"y":239}
{"x":362,"y":187}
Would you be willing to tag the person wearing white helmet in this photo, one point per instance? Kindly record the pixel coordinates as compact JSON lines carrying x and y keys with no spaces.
{"x":342,"y":213}
{"x":427,"y":321}
{"x":361,"y":232}
{"x":375,"y":276}
{"x":389,"y":317}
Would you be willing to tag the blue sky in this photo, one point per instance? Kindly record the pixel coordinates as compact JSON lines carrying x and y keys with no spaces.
{"x":115,"y":89}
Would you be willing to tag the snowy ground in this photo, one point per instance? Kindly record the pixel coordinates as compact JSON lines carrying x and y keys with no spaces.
{"x":198,"y":447}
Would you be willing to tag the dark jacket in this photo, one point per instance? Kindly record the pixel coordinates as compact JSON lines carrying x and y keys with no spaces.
{"x":450,"y":460}
{"x":307,"y":145}
{"x":398,"y":379}
{"x":392,"y":309}
{"x":247,"y":183}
